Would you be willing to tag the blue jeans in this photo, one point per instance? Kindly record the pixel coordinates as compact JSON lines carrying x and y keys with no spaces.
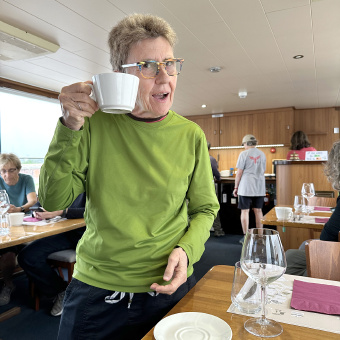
{"x":33,"y":259}
{"x":87,"y":316}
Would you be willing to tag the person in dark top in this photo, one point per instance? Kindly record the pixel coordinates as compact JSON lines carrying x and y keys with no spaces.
{"x":33,"y":258}
{"x":218,"y":231}
{"x":214,"y":165}
{"x":296,"y":258}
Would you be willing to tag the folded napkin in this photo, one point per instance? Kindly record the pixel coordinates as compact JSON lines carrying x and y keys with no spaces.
{"x":322,"y":209}
{"x":321,"y":219}
{"x":316,"y":297}
{"x":32,"y":219}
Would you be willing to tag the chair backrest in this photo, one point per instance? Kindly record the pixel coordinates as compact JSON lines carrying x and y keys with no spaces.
{"x":323,"y":259}
{"x":322,"y":201}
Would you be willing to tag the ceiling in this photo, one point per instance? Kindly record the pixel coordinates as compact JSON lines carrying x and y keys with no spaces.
{"x":253,"y":41}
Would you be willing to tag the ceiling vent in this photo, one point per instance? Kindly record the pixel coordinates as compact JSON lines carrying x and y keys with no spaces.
{"x":16,"y":44}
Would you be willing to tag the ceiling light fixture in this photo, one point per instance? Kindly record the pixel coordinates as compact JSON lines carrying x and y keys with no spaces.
{"x":298,"y":56}
{"x":215,"y":69}
{"x":16,"y":44}
{"x":204,"y":106}
{"x":242,"y":94}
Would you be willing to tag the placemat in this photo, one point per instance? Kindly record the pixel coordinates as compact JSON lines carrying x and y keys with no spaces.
{"x":279,"y":295}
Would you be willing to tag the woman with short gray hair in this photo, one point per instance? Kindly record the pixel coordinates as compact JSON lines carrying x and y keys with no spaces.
{"x":145,"y":173}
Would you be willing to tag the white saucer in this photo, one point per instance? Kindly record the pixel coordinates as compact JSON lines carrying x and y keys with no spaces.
{"x":192,"y":325}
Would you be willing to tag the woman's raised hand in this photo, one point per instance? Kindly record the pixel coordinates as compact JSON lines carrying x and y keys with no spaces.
{"x":76,"y":104}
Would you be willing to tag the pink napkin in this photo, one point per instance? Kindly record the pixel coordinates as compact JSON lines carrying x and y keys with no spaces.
{"x":322,"y":209}
{"x":32,"y":219}
{"x":316,"y":297}
{"x":321,"y":219}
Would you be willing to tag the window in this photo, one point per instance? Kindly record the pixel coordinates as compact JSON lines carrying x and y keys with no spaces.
{"x":27,"y":126}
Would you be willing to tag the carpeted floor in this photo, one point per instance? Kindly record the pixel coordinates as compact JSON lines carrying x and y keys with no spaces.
{"x":40,"y":325}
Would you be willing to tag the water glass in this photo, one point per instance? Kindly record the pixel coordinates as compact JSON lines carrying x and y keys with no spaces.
{"x":299,"y":206}
{"x":4,"y":227}
{"x":245,"y":293}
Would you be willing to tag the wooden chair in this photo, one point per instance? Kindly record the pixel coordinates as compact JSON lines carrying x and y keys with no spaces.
{"x":323,"y":259}
{"x":322,"y":201}
{"x":60,"y":259}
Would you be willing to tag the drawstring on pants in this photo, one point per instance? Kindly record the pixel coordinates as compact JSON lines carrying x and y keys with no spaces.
{"x":112,"y":298}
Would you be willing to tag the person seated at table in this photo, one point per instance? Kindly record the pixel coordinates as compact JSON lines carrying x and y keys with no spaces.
{"x":21,"y":192}
{"x":299,"y":144}
{"x":296,"y":258}
{"x":33,"y":258}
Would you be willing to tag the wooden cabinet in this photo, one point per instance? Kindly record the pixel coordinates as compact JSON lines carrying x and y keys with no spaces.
{"x":274,"y":127}
{"x":268,"y":126}
{"x":210,"y":126}
{"x":233,"y":128}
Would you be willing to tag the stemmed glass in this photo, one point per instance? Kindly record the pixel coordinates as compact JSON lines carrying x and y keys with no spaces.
{"x":4,"y":206}
{"x":308,"y":191}
{"x":263,"y":259}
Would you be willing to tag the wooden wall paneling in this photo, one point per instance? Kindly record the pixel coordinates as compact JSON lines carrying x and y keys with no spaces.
{"x":228,"y":158}
{"x":210,"y":126}
{"x":234,"y":127}
{"x":274,"y":127}
{"x":319,"y":125}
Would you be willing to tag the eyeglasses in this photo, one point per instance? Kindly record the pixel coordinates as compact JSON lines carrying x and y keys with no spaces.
{"x":149,"y":69}
{"x":10,"y":171}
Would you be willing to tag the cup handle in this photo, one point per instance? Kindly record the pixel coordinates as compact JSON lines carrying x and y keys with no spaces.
{"x":92,"y":94}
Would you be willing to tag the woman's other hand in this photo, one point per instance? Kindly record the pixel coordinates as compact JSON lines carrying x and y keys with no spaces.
{"x":47,"y":214}
{"x":76,"y":104}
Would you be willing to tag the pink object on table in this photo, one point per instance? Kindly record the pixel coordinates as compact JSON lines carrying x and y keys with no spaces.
{"x":32,"y":219}
{"x":321,"y":219}
{"x":322,"y":209}
{"x":316,"y":297}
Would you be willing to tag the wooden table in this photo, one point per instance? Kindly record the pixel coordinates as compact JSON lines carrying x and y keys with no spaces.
{"x":27,"y":233}
{"x":212,"y":295}
{"x":293,"y":233}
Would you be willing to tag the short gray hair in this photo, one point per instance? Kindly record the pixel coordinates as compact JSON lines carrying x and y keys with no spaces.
{"x":6,"y":158}
{"x":332,"y":166}
{"x":133,"y":29}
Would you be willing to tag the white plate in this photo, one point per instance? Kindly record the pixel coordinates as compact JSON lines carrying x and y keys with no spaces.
{"x":192,"y":326}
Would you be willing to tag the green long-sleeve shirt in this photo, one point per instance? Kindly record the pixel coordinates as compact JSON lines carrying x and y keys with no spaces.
{"x":142,"y":181}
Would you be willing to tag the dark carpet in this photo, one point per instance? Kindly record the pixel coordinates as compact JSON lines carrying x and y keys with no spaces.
{"x":40,"y":325}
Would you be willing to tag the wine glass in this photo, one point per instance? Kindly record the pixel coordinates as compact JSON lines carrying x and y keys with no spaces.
{"x":4,"y":206}
{"x":263,"y":259}
{"x":308,"y":191}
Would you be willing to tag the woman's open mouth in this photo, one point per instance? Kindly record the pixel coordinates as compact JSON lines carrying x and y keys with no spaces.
{"x":161,"y":97}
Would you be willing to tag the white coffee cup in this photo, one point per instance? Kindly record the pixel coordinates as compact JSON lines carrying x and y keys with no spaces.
{"x":16,"y":219}
{"x":225,"y":173}
{"x":284,"y":213}
{"x":115,"y":92}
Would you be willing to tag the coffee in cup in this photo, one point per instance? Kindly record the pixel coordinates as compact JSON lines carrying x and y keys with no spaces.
{"x":115,"y":92}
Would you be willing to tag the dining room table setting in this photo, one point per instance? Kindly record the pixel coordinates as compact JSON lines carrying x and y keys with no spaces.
{"x":254,"y":299}
{"x":32,"y":229}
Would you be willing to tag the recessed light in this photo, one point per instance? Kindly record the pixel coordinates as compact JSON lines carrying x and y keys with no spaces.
{"x":204,"y":106}
{"x":242,"y":94}
{"x":215,"y":69}
{"x":298,"y":56}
